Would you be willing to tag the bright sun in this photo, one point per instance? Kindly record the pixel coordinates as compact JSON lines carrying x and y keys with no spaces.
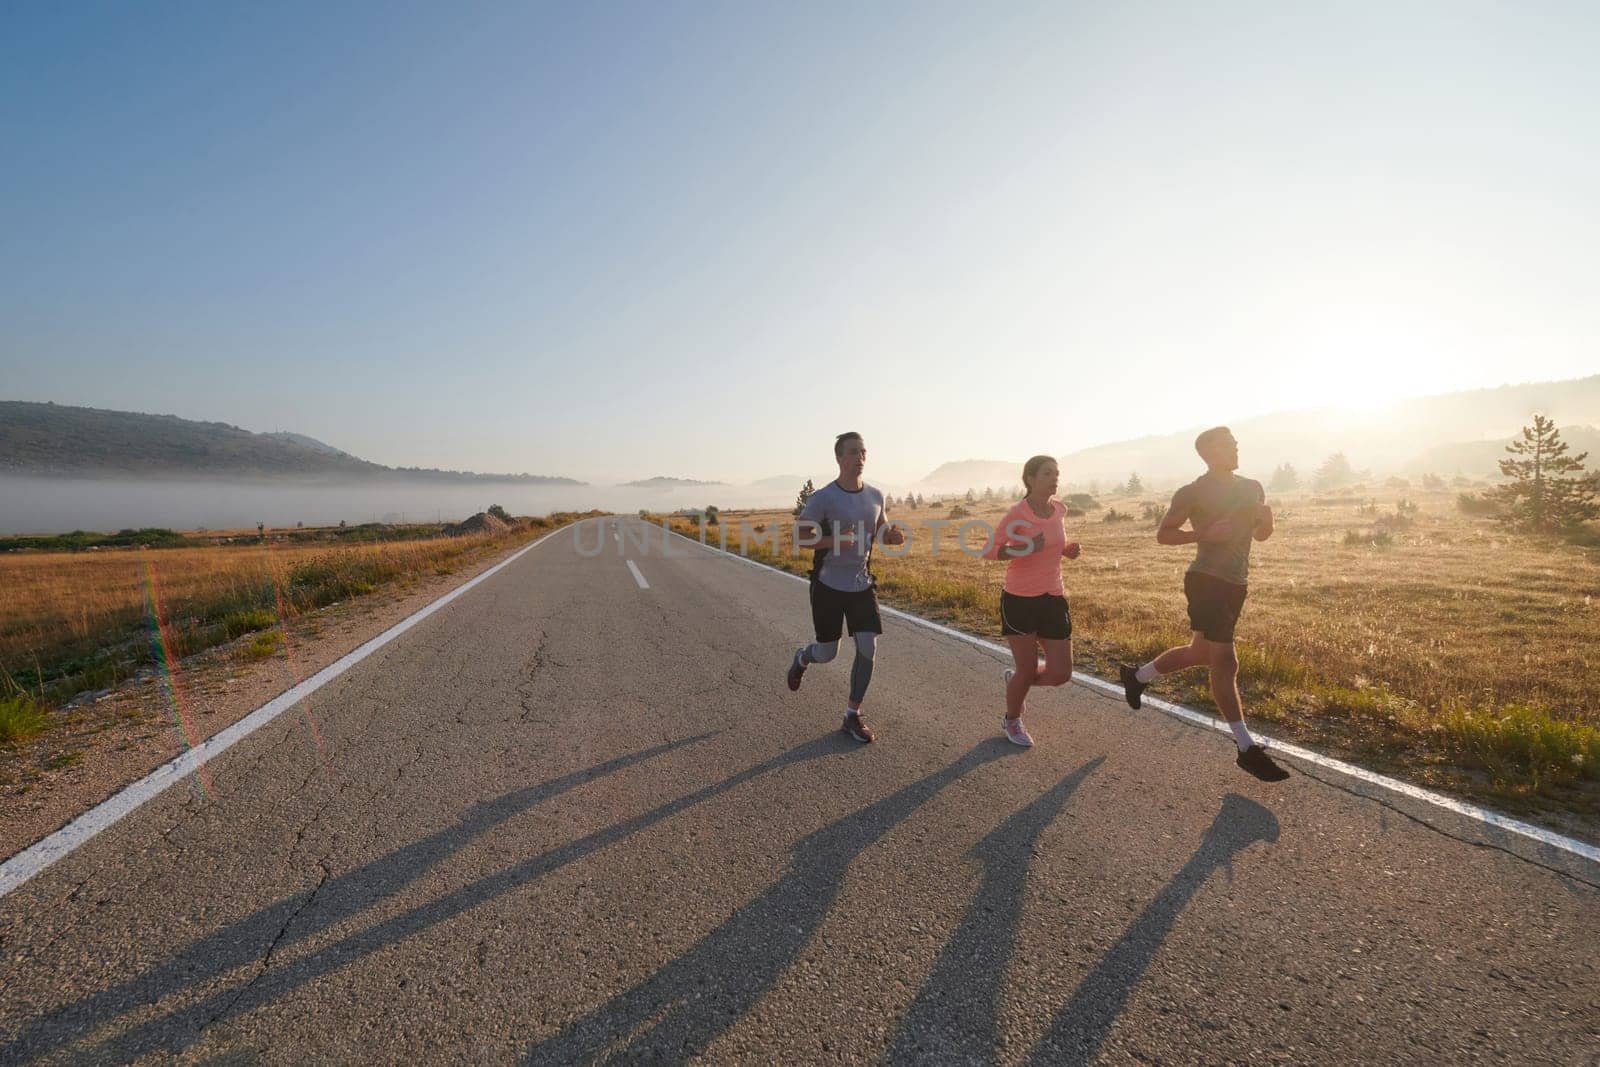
{"x":1364,"y":370}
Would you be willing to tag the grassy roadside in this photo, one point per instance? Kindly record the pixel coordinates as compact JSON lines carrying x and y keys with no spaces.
{"x":80,"y":622}
{"x":1444,"y":652}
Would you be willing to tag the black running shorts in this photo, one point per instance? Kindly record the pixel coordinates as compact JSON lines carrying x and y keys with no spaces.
{"x":1045,"y":616}
{"x":832,"y":608}
{"x":1214,"y":605}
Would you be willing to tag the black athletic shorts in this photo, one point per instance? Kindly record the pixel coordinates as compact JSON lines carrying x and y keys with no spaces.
{"x":1214,"y":605}
{"x":1045,"y":616}
{"x":832,"y":608}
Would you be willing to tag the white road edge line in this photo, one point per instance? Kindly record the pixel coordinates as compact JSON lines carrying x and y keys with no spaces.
{"x":1209,"y":722}
{"x":634,"y":567}
{"x":41,"y":854}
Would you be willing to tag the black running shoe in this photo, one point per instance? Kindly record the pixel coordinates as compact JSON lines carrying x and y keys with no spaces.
{"x":1256,"y":761}
{"x":857,"y":729}
{"x":1132,"y":687}
{"x":796,"y":669}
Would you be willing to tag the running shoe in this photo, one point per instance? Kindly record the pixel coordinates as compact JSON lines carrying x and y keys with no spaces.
{"x":1256,"y":761}
{"x":1132,"y":687}
{"x":796,"y":669}
{"x":857,"y":729}
{"x":1016,"y":733}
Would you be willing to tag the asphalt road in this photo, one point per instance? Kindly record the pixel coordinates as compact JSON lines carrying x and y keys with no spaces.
{"x":569,"y":818}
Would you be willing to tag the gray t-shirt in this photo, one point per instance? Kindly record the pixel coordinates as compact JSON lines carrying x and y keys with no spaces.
{"x":1211,"y":500}
{"x":845,"y":569}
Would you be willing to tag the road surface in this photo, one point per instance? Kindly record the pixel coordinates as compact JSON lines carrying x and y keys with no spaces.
{"x":576,"y":815}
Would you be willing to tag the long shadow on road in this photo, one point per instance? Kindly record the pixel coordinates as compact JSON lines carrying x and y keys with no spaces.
{"x":955,"y":1016}
{"x":297,"y":917}
{"x":685,"y":1005}
{"x":181,"y":1028}
{"x":1081,"y":1026}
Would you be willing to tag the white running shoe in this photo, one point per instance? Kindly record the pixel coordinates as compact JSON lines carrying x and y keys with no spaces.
{"x":1016,"y":733}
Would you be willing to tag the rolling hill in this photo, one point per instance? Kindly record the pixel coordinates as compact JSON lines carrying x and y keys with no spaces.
{"x":1457,"y":433}
{"x":58,"y":439}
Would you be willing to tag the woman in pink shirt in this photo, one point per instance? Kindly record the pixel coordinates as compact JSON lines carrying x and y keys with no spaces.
{"x":1033,"y":605}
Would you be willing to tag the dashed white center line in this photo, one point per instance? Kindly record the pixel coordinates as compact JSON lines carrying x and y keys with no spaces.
{"x":637,"y":576}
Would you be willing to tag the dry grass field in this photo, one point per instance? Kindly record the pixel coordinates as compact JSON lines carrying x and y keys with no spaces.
{"x":79,"y":621}
{"x":1383,"y":626}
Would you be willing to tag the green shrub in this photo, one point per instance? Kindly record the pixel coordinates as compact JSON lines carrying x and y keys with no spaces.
{"x":21,"y":719}
{"x":264,"y":644}
{"x":243,"y":622}
{"x":1524,"y":748}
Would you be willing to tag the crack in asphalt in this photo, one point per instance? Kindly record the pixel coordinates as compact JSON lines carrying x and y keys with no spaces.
{"x":535,"y":673}
{"x":1384,"y":802}
{"x":265,"y":963}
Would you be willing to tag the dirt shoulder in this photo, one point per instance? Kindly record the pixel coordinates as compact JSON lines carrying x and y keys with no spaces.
{"x":108,"y":740}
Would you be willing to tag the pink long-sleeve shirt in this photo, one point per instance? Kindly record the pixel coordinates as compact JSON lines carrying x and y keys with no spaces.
{"x":1039,"y":572}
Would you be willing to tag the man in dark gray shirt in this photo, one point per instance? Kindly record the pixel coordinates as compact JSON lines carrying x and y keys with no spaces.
{"x":1226,"y":513}
{"x":840,"y":523}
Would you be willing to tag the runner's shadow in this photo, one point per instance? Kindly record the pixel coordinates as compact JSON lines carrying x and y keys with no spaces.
{"x":678,"y":1011}
{"x":297,"y":917}
{"x":1080,"y":1028}
{"x":181,"y":1027}
{"x":955,"y":1016}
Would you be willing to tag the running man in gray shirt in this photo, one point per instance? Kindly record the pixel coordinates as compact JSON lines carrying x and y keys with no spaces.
{"x":841,"y":523}
{"x":1226,"y":514}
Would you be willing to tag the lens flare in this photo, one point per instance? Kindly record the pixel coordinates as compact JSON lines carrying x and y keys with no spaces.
{"x":164,"y":650}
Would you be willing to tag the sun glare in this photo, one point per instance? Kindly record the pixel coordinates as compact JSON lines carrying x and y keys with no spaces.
{"x":1365,"y":371}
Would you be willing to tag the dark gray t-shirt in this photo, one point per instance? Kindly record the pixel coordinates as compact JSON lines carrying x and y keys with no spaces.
{"x":845,"y":569}
{"x":1211,"y":500}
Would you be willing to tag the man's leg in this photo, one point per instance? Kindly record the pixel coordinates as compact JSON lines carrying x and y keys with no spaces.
{"x":819,"y":652}
{"x":1224,"y":664}
{"x":1225,"y":691}
{"x":861,"y":614}
{"x":1196,"y":653}
{"x":827,"y":622}
{"x":861,"y":668}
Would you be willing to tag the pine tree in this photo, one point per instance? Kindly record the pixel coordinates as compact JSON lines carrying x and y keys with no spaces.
{"x":1334,"y":472}
{"x":805,"y":494}
{"x":1284,"y":479}
{"x":972,"y":498}
{"x":1549,"y":489}
{"x":1134,"y":486}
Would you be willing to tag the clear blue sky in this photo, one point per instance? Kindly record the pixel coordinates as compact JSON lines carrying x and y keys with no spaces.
{"x":614,"y":241}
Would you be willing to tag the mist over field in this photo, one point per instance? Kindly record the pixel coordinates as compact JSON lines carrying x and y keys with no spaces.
{"x":55,"y":505}
{"x":78,"y":468}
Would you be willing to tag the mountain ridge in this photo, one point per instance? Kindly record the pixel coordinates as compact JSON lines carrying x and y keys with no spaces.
{"x":52,"y":439}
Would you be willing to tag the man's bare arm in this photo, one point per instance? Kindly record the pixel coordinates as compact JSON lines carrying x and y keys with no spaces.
{"x":893,"y":536}
{"x":1263,"y":528}
{"x":1171,"y":531}
{"x":808,"y":535}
